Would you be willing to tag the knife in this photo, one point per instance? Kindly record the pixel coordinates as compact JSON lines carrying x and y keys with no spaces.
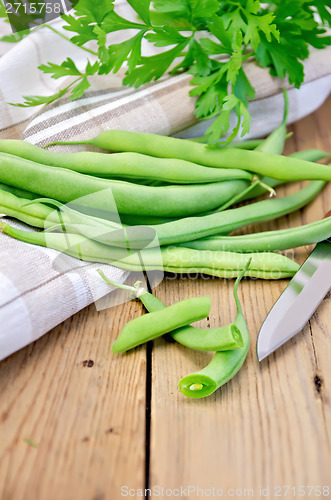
{"x":298,"y":301}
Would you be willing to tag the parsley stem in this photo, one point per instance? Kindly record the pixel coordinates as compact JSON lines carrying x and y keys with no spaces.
{"x":68,"y":39}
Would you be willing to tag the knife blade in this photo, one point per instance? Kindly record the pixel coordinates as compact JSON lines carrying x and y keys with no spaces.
{"x":298,"y":301}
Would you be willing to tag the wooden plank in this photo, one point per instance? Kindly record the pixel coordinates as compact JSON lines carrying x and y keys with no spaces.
{"x":82,"y":405}
{"x":270,"y":425}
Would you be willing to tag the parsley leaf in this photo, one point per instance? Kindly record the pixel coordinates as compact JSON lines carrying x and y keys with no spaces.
{"x":142,"y":9}
{"x":79,"y":89}
{"x":95,"y":11}
{"x":167,"y":35}
{"x":38,"y":100}
{"x":117,"y":54}
{"x":153,"y":67}
{"x":85,"y":32}
{"x":68,"y":67}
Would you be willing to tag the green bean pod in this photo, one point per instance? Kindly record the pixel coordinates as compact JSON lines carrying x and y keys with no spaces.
{"x":312,"y":155}
{"x":21,"y":193}
{"x":176,"y":260}
{"x":268,"y":240}
{"x":37,"y":214}
{"x":129,"y":166}
{"x":153,"y":325}
{"x":266,"y":164}
{"x":224,"y":365}
{"x":203,"y":339}
{"x":248,"y":144}
{"x":66,"y":186}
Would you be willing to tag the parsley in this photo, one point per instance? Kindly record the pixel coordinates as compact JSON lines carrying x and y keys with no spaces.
{"x":277,"y":35}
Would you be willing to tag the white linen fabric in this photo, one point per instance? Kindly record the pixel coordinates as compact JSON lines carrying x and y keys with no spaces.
{"x":35,"y":296}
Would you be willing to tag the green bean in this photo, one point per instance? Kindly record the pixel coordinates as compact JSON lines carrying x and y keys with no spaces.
{"x":266,"y":164}
{"x":268,"y":240}
{"x":248,"y":144}
{"x":192,"y":228}
{"x":145,"y":220}
{"x":21,"y":193}
{"x":177,"y":259}
{"x":155,"y":324}
{"x":274,"y":143}
{"x":66,"y":185}
{"x":224,"y":365}
{"x":255,"y":143}
{"x":35,"y":215}
{"x":129,"y":166}
{"x":203,"y":339}
{"x":312,"y":155}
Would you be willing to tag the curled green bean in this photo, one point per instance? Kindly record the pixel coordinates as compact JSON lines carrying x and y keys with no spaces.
{"x":224,"y":365}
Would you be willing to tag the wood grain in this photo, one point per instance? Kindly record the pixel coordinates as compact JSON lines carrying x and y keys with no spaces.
{"x":86,"y":408}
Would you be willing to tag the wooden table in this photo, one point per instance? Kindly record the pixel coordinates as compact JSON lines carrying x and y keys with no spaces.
{"x":105,"y":423}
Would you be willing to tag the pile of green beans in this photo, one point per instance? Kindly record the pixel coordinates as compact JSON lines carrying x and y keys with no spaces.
{"x":190,"y":222}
